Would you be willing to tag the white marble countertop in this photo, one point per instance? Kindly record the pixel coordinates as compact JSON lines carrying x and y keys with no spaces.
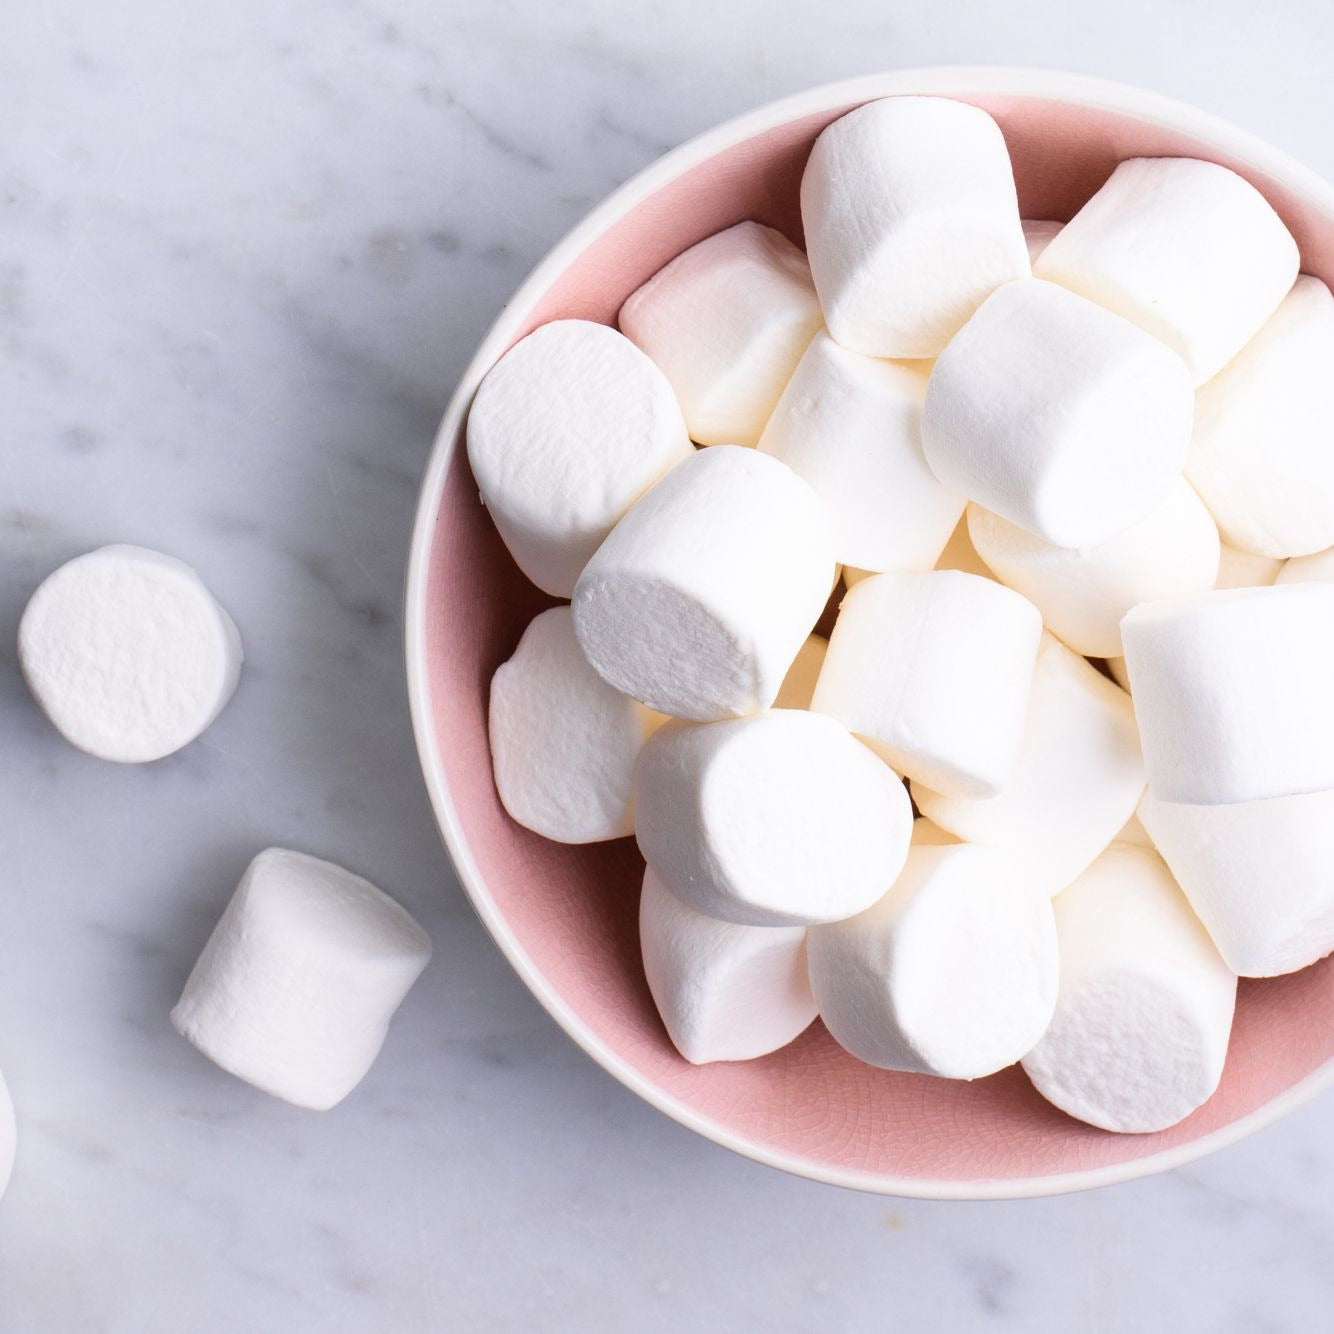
{"x":245,"y":251}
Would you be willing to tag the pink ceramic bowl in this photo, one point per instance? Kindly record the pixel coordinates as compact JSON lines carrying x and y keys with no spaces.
{"x":566,"y":917}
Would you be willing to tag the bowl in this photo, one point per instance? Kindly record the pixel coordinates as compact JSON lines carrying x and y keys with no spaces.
{"x":566,"y":917}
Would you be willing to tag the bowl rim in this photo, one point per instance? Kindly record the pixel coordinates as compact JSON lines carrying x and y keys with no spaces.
{"x":948,"y":80}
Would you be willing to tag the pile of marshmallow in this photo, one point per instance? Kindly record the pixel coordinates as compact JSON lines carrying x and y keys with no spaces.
{"x":1015,"y":446}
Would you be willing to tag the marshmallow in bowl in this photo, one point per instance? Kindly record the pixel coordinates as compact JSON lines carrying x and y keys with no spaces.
{"x":1145,"y":1008}
{"x":952,"y":973}
{"x":725,"y":992}
{"x":568,"y":429}
{"x":294,"y":990}
{"x":727,"y":321}
{"x":1059,"y":416}
{"x":1188,"y":250}
{"x":799,"y":683}
{"x":1243,"y":569}
{"x":781,"y":819}
{"x":1038,"y":235}
{"x":128,"y":653}
{"x":8,"y":1137}
{"x":697,"y":602}
{"x":911,"y":219}
{"x":1314,"y":569}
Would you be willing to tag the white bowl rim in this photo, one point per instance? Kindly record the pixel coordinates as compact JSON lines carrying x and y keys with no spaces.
{"x":952,"y":80}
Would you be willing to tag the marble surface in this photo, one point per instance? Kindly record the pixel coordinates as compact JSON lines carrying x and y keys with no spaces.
{"x":245,"y":252}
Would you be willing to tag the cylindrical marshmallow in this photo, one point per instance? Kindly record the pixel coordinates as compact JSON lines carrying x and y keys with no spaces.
{"x":296,"y":986}
{"x":1134,"y":833}
{"x":1314,"y":569}
{"x":1242,"y":569}
{"x":9,"y":1136}
{"x":1038,"y":235}
{"x":961,"y":554}
{"x":799,"y":683}
{"x":1145,"y":1008}
{"x":1116,"y":668}
{"x":570,"y":427}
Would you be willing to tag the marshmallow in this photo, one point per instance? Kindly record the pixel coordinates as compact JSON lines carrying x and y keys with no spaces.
{"x":1076,"y":782}
{"x":961,"y":554}
{"x":1116,"y":668}
{"x":1145,"y":1009}
{"x":1314,"y":569}
{"x":911,"y":219}
{"x":1134,"y":833}
{"x":698,"y":601}
{"x":933,"y":672}
{"x":928,"y":835}
{"x":799,"y":683}
{"x":782,"y":819}
{"x":1057,"y":415}
{"x":1083,"y":592}
{"x":727,"y":321}
{"x":564,"y":742}
{"x":570,"y":427}
{"x":1242,"y":569}
{"x":296,"y":986}
{"x":1259,"y":874}
{"x":851,"y":426}
{"x":852,"y":576}
{"x":1038,"y":235}
{"x":1232,"y":691}
{"x":8,"y":1137}
{"x":1187,"y":250}
{"x":128,"y":654}
{"x":725,"y":992}
{"x":953,"y":972}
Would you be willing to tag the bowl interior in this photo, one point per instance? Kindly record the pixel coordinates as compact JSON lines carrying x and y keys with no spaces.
{"x":567,"y":917}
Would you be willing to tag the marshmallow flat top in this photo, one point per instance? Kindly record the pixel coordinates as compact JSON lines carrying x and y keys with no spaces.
{"x":781,"y":819}
{"x":1242,"y":569}
{"x":799,"y":683}
{"x":8,"y":1137}
{"x":128,"y":654}
{"x":1038,"y":235}
{"x":568,"y":429}
{"x":1316,"y":569}
{"x":727,"y":321}
{"x":1188,"y":250}
{"x":1145,"y":1009}
{"x":911,"y":219}
{"x":1057,"y":415}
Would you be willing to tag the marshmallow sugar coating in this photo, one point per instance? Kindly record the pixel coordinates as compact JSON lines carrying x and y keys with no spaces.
{"x":1242,"y":569}
{"x":952,"y":973}
{"x":780,"y":819}
{"x":568,"y":429}
{"x":727,"y":321}
{"x":128,"y":653}
{"x":295,"y":988}
{"x":8,"y":1137}
{"x":725,"y":992}
{"x":698,"y":601}
{"x":911,"y":219}
{"x":1145,"y":1008}
{"x":1059,"y":416}
{"x":1188,"y":250}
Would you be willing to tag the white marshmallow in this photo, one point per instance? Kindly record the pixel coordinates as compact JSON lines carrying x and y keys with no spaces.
{"x":852,"y":576}
{"x":1242,"y":569}
{"x":1117,"y":668}
{"x":911,"y":219}
{"x":1082,"y":592}
{"x":128,"y":654}
{"x":564,"y":742}
{"x":782,"y":819}
{"x":1057,"y":415}
{"x":296,"y":986}
{"x":1145,"y":1009}
{"x":933,"y":672}
{"x":698,"y":601}
{"x":1259,"y":874}
{"x":727,"y":321}
{"x":961,"y":554}
{"x":799,"y":683}
{"x":570,"y":427}
{"x":953,"y":972}
{"x":725,"y":992}
{"x":1315,"y":569}
{"x":1039,"y":234}
{"x":1232,"y":691}
{"x":928,"y":835}
{"x":851,"y":426}
{"x":1076,"y":782}
{"x":8,"y":1137}
{"x":1187,"y":250}
{"x":1134,"y":833}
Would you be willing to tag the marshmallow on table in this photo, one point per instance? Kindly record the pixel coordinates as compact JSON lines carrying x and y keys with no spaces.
{"x":911,"y":219}
{"x":727,"y":321}
{"x":1038,"y":235}
{"x":8,"y":1137}
{"x":1057,"y":415}
{"x":1188,"y":250}
{"x":725,"y":992}
{"x":1145,"y":1008}
{"x":1243,"y":569}
{"x":1314,"y":569}
{"x":570,"y":427}
{"x":933,"y":672}
{"x":698,"y":601}
{"x":128,"y":654}
{"x":564,"y":742}
{"x":1233,"y":693}
{"x":799,"y":683}
{"x":953,"y":972}
{"x":781,"y":819}
{"x":851,"y":426}
{"x":1077,"y":780}
{"x":296,"y":986}
{"x":1083,"y":592}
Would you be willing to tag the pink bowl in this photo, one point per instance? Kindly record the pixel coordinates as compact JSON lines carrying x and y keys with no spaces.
{"x":566,"y":917}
